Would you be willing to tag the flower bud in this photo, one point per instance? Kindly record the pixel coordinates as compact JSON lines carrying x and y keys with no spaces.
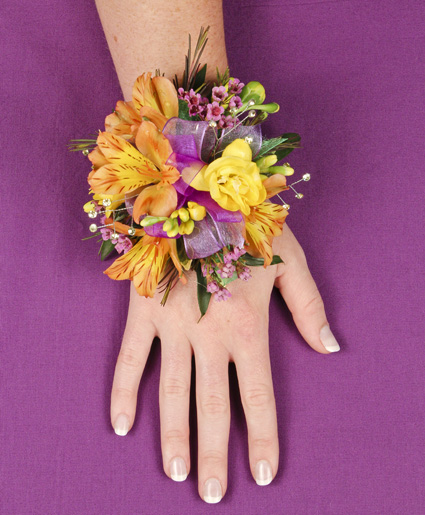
{"x":89,"y":206}
{"x":264,"y":162}
{"x":151,"y":220}
{"x":184,"y":214}
{"x":253,"y":91}
{"x":169,"y":225}
{"x":174,"y":231}
{"x":187,"y":227}
{"x":196,"y":211}
{"x":174,"y":214}
{"x":285,"y":169}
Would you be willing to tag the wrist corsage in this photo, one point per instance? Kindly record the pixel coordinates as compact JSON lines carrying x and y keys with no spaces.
{"x":182,"y":179}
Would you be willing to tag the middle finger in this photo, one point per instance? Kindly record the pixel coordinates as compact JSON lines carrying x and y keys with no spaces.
{"x":213,"y":409}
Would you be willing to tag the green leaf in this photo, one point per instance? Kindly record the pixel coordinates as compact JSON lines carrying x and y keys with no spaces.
{"x":253,"y":261}
{"x":269,"y":145}
{"x":200,"y":77}
{"x":225,"y":281}
{"x":204,"y":296}
{"x":105,"y":249}
{"x":183,"y":110}
{"x":269,"y":108}
{"x":285,"y":148}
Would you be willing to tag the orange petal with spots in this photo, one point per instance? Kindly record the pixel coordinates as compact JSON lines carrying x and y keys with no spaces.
{"x":157,"y":200}
{"x":153,"y":144}
{"x":167,"y":96}
{"x":119,"y":151}
{"x":117,"y":179}
{"x":97,"y":158}
{"x":144,"y":93}
{"x":263,"y":224}
{"x":154,"y":116}
{"x":275,"y":184}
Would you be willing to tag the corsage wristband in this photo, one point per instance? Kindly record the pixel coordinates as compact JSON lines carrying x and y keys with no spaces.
{"x":181,"y":180}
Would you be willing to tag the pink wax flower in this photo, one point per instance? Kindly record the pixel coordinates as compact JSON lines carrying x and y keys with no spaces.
{"x":182,"y":94}
{"x":227,"y":271}
{"x":213,"y":287}
{"x":238,"y":252}
{"x":245,"y":274}
{"x":222,"y":294}
{"x":235,"y":86}
{"x":124,"y":244}
{"x":226,"y":122}
{"x":219,"y":93}
{"x":235,"y":102}
{"x":214,"y":112}
{"x":194,"y":98}
{"x":106,"y":233}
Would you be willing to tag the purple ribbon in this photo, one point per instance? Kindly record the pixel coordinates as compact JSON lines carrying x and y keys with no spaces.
{"x":192,"y":143}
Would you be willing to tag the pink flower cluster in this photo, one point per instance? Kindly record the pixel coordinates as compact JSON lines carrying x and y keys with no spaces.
{"x":122,"y":243}
{"x":215,"y":272}
{"x":222,"y":100}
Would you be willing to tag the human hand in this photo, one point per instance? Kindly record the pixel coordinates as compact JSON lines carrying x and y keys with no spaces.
{"x":235,"y":330}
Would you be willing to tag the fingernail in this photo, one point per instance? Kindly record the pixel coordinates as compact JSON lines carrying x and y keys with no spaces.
{"x":178,"y":471}
{"x":212,"y":491}
{"x":122,"y":425}
{"x":263,"y":473}
{"x":328,"y":339}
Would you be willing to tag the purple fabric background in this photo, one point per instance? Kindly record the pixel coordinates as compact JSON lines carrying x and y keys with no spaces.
{"x":349,"y":77}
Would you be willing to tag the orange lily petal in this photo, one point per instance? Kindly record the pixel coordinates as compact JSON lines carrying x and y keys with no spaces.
{"x":264,"y":223}
{"x":123,"y":228}
{"x":153,"y":144}
{"x":154,"y":116}
{"x":118,"y":150}
{"x":144,"y":93}
{"x":167,"y":96}
{"x":144,"y":264}
{"x":97,"y":158}
{"x":275,"y":184}
{"x":116,"y":179}
{"x":169,"y":174}
{"x":157,"y":200}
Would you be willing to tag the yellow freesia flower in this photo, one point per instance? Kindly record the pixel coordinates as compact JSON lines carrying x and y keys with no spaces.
{"x":233,"y":180}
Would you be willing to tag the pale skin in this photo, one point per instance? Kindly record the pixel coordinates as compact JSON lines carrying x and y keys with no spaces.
{"x":143,"y":36}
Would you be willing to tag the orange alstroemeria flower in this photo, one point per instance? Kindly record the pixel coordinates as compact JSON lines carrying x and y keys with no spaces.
{"x":145,"y":264}
{"x":153,"y":98}
{"x":141,"y":169}
{"x":264,"y":223}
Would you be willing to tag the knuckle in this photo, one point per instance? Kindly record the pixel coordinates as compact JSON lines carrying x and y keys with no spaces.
{"x":264,"y":442}
{"x":252,"y":322}
{"x":214,"y":404}
{"x":213,"y":456}
{"x":123,"y":392}
{"x":314,"y":304}
{"x":176,"y":436}
{"x":175,"y":388}
{"x":259,"y":397}
{"x":128,"y":359}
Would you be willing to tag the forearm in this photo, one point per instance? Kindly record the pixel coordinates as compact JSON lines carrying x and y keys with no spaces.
{"x":145,"y":36}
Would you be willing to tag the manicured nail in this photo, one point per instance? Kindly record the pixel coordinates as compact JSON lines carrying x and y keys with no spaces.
{"x":263,"y":473}
{"x":122,"y":425}
{"x":328,"y":339}
{"x":212,"y":491}
{"x":178,"y":471}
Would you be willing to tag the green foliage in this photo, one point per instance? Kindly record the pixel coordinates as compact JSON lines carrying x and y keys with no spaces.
{"x":253,"y":261}
{"x":199,"y":80}
{"x":105,"y":249}
{"x":204,"y":296}
{"x":268,"y":145}
{"x":285,"y":148}
{"x":192,"y":65}
{"x":184,"y":110}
